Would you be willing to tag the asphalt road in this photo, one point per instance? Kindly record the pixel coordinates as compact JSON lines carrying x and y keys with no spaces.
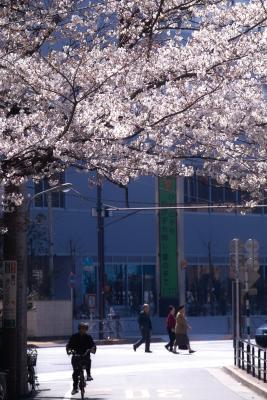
{"x":120,"y":373}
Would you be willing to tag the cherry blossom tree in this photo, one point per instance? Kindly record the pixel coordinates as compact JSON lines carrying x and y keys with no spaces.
{"x":134,"y":87}
{"x":126,"y":87}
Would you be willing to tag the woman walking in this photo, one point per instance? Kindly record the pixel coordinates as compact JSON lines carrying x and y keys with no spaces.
{"x":181,"y":328}
{"x":171,"y":328}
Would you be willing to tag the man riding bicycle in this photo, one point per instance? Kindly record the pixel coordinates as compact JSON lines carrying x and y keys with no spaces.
{"x":80,"y":343}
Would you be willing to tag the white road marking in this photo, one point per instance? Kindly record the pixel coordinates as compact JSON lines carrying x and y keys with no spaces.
{"x":68,"y":394}
{"x":169,"y":394}
{"x":91,"y":392}
{"x":137,"y":394}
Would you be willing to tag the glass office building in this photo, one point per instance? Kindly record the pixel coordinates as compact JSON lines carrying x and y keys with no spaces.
{"x":131,"y":276}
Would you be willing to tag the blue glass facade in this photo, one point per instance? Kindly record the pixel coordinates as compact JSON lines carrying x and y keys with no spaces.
{"x":131,"y":252}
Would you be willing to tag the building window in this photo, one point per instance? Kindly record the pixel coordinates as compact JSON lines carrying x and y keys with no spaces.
{"x":205,"y":190}
{"x":58,"y":198}
{"x":208,"y":290}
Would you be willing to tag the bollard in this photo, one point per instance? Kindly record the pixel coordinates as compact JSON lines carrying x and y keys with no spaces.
{"x":264,"y":367}
{"x":259,"y":363}
{"x":253,"y":360}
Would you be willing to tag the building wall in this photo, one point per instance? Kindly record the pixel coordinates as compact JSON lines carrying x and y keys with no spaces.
{"x":50,"y":319}
{"x":131,"y":241}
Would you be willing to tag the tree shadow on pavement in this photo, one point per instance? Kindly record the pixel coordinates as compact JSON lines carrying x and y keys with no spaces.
{"x":40,"y":396}
{"x":45,"y":397}
{"x":37,"y":397}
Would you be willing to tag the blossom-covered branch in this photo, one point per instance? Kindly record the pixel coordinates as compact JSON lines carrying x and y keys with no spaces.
{"x":134,"y":87}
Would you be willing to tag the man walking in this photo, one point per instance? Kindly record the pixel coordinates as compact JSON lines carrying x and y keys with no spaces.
{"x":145,"y":327}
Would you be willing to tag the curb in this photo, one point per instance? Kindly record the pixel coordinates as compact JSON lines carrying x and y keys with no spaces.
{"x":247,"y":380}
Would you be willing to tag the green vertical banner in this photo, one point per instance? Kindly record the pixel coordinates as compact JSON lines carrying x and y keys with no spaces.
{"x":168,"y":257}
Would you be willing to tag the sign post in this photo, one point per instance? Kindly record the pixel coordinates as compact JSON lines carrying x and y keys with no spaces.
{"x":244,"y":266}
{"x":236,"y":258}
{"x":9,"y":294}
{"x":72,"y":283}
{"x":251,"y":276}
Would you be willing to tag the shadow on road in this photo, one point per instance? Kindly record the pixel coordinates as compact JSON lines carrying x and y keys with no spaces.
{"x":43,"y":396}
{"x":67,"y":398}
{"x":40,"y":397}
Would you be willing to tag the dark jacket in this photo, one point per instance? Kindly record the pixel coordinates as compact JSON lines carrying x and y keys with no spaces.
{"x":144,"y":321}
{"x":80,"y":343}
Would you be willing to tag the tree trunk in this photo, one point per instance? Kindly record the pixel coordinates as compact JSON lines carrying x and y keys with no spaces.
{"x":15,"y":338}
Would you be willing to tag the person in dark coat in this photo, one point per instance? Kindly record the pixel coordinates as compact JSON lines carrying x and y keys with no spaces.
{"x":171,"y":322}
{"x":80,"y":343}
{"x":145,"y":327}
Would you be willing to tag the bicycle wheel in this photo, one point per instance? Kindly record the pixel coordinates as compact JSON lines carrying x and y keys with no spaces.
{"x":31,"y":378}
{"x":2,"y":393}
{"x":82,"y":384}
{"x":82,"y":393}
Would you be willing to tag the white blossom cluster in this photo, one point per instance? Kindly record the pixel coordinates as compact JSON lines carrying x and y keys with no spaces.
{"x":130,"y":87}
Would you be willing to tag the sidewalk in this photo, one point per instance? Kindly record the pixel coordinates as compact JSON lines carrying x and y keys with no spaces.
{"x":61,"y":342}
{"x":248,"y":380}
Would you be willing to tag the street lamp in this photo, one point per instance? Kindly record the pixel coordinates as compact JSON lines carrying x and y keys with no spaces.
{"x":64,"y":187}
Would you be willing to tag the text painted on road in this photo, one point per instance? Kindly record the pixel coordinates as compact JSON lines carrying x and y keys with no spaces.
{"x":145,"y":394}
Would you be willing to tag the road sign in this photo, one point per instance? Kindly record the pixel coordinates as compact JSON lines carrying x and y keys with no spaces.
{"x":253,"y":276}
{"x":91,"y":301}
{"x":252,"y":264}
{"x":233,"y":273}
{"x":9,"y":293}
{"x":252,"y":246}
{"x":236,"y":244}
{"x":236,"y":257}
{"x":251,"y":292}
{"x":72,"y":280}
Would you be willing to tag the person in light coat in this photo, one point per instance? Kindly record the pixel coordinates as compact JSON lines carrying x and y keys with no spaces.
{"x":181,"y":329}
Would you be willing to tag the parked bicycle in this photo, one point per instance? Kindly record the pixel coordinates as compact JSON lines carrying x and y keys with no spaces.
{"x":31,"y":364}
{"x":80,"y":364}
{"x":3,"y":393}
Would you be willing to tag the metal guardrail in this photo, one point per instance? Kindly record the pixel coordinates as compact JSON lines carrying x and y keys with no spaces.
{"x":111,"y":327}
{"x":251,"y":358}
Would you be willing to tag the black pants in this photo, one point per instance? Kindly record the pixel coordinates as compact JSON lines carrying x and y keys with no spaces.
{"x":75,"y":365}
{"x":172,"y":339}
{"x":146,"y":336}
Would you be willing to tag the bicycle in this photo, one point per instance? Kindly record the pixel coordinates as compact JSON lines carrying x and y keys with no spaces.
{"x":80,"y":362}
{"x":31,"y":364}
{"x":3,"y":393}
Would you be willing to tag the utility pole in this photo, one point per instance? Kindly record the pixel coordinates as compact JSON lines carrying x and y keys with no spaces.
{"x":50,"y":245}
{"x":72,"y":284}
{"x":101,"y":260}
